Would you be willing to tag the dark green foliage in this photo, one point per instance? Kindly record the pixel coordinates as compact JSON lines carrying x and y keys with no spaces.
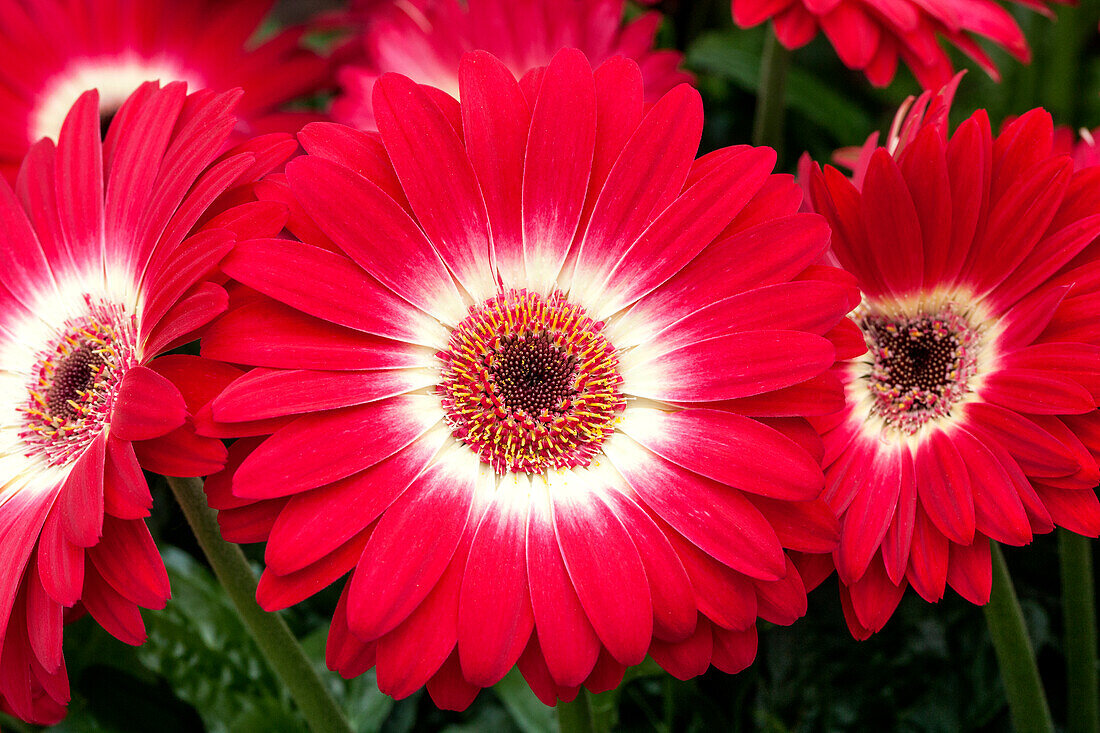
{"x":931,"y":670}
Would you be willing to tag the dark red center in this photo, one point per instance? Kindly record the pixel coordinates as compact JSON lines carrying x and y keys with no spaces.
{"x":532,"y":373}
{"x":73,"y":376}
{"x":916,"y":359}
{"x":530,"y":383}
{"x":921,"y":364}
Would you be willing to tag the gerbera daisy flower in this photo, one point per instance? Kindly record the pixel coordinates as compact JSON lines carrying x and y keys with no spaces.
{"x":537,"y":380}
{"x":972,"y":415}
{"x":872,"y":36}
{"x":100,"y":277}
{"x":425,"y":40}
{"x":57,"y":49}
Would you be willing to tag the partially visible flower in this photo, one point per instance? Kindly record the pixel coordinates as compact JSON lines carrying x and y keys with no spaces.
{"x":871,"y":35}
{"x":972,"y":416}
{"x":930,"y":109}
{"x":55,"y":50}
{"x":1083,"y":146}
{"x":102,"y":274}
{"x":1080,"y":145}
{"x":425,"y":40}
{"x":546,"y":407}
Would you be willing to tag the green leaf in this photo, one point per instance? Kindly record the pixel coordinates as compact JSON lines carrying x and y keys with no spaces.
{"x":264,"y":716}
{"x":200,"y":646}
{"x":366,"y":707}
{"x":487,"y":718}
{"x":113,"y":692}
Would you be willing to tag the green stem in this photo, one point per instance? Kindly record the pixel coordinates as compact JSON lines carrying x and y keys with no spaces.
{"x":670,"y":703}
{"x":283,"y":652}
{"x":589,"y":713}
{"x":1060,"y":88}
{"x":767,"y":123}
{"x":605,"y":710}
{"x":1026,"y":700}
{"x":576,"y":716}
{"x":1079,"y":612}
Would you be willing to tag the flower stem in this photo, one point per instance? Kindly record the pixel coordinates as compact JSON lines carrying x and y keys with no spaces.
{"x":1059,"y":84}
{"x":283,"y":652}
{"x":605,"y":710}
{"x":576,"y":716}
{"x":1026,"y":700}
{"x":588,"y":713}
{"x":767,"y":123}
{"x":1079,"y":612}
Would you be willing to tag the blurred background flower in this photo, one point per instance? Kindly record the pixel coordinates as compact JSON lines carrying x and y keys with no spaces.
{"x":872,"y":36}
{"x":54,"y":50}
{"x":425,"y":40}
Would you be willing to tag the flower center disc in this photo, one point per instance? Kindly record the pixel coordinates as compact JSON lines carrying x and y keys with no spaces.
{"x":77,"y":375}
{"x":530,"y":383}
{"x":922,"y":365}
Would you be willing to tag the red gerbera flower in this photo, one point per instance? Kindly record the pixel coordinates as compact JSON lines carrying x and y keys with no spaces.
{"x":425,"y":40}
{"x":871,"y":36}
{"x":536,"y":379}
{"x":98,"y":279}
{"x":54,"y":50}
{"x":972,"y":417}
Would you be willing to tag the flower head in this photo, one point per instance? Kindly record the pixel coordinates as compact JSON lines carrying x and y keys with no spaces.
{"x":872,"y":36}
{"x":102,"y":273}
{"x":536,"y":381}
{"x":425,"y":40}
{"x":66,"y":47}
{"x":972,"y":415}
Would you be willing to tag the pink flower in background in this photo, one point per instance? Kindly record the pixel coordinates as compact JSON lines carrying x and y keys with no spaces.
{"x":972,"y":416}
{"x":546,"y":407}
{"x":54,"y":50}
{"x":871,"y":36}
{"x":425,"y":40}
